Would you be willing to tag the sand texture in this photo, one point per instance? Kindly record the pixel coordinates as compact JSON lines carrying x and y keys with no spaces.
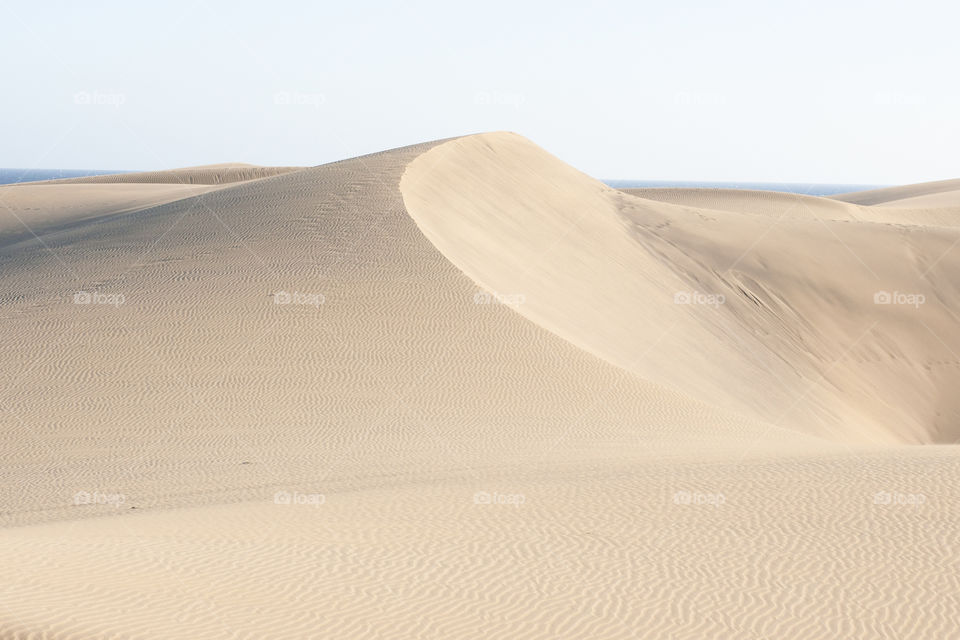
{"x":462,"y":390}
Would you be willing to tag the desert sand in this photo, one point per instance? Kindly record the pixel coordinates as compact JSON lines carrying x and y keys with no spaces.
{"x":462,"y":390}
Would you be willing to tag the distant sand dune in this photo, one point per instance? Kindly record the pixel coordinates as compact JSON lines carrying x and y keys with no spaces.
{"x":937,"y":209}
{"x":925,"y":194}
{"x":206,"y":174}
{"x":36,"y":208}
{"x":449,"y":391}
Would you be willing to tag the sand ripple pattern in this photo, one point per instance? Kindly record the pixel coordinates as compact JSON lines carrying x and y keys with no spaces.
{"x":465,"y":471}
{"x":799,"y":548}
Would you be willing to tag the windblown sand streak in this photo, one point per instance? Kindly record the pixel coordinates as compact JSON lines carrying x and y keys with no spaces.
{"x":588,"y":460}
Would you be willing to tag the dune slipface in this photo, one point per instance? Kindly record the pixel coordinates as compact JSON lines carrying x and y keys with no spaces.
{"x":462,"y":390}
{"x":779,"y":296}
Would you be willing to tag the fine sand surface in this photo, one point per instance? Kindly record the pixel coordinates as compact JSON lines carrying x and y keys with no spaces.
{"x":461,"y":390}
{"x":226,"y":173}
{"x":943,"y":193}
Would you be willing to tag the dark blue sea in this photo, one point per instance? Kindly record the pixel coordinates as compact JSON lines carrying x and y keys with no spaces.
{"x":810,"y":189}
{"x":10,"y":176}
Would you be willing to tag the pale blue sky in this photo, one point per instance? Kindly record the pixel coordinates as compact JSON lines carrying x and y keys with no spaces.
{"x":852,"y":92}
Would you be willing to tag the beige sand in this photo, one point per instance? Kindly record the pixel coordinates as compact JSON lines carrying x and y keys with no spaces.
{"x":463,"y":367}
{"x":29,"y":209}
{"x":225,"y":173}
{"x":940,"y":193}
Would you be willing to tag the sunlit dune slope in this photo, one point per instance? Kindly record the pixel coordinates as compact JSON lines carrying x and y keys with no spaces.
{"x":775,"y":316}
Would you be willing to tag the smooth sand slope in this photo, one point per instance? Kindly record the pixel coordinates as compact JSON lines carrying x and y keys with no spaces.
{"x":943,"y":193}
{"x":462,"y":365}
{"x":779,"y":301}
{"x":30,"y":209}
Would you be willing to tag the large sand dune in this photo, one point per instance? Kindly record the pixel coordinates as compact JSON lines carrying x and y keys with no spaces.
{"x":501,"y":399}
{"x":787,"y":288}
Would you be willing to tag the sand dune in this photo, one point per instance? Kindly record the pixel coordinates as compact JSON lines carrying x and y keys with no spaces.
{"x":29,"y":209}
{"x":925,"y":194}
{"x":936,"y":209}
{"x":450,"y":390}
{"x":35,"y":208}
{"x":780,"y":302}
{"x":206,"y":174}
{"x":774,"y":204}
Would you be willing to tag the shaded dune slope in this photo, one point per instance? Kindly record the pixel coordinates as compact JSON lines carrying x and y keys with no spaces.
{"x":798,"y":339}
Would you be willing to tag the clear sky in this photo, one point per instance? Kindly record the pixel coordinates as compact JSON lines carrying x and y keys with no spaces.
{"x":851,"y":92}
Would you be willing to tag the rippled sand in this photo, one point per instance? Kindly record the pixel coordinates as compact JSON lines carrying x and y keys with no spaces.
{"x":461,"y":390}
